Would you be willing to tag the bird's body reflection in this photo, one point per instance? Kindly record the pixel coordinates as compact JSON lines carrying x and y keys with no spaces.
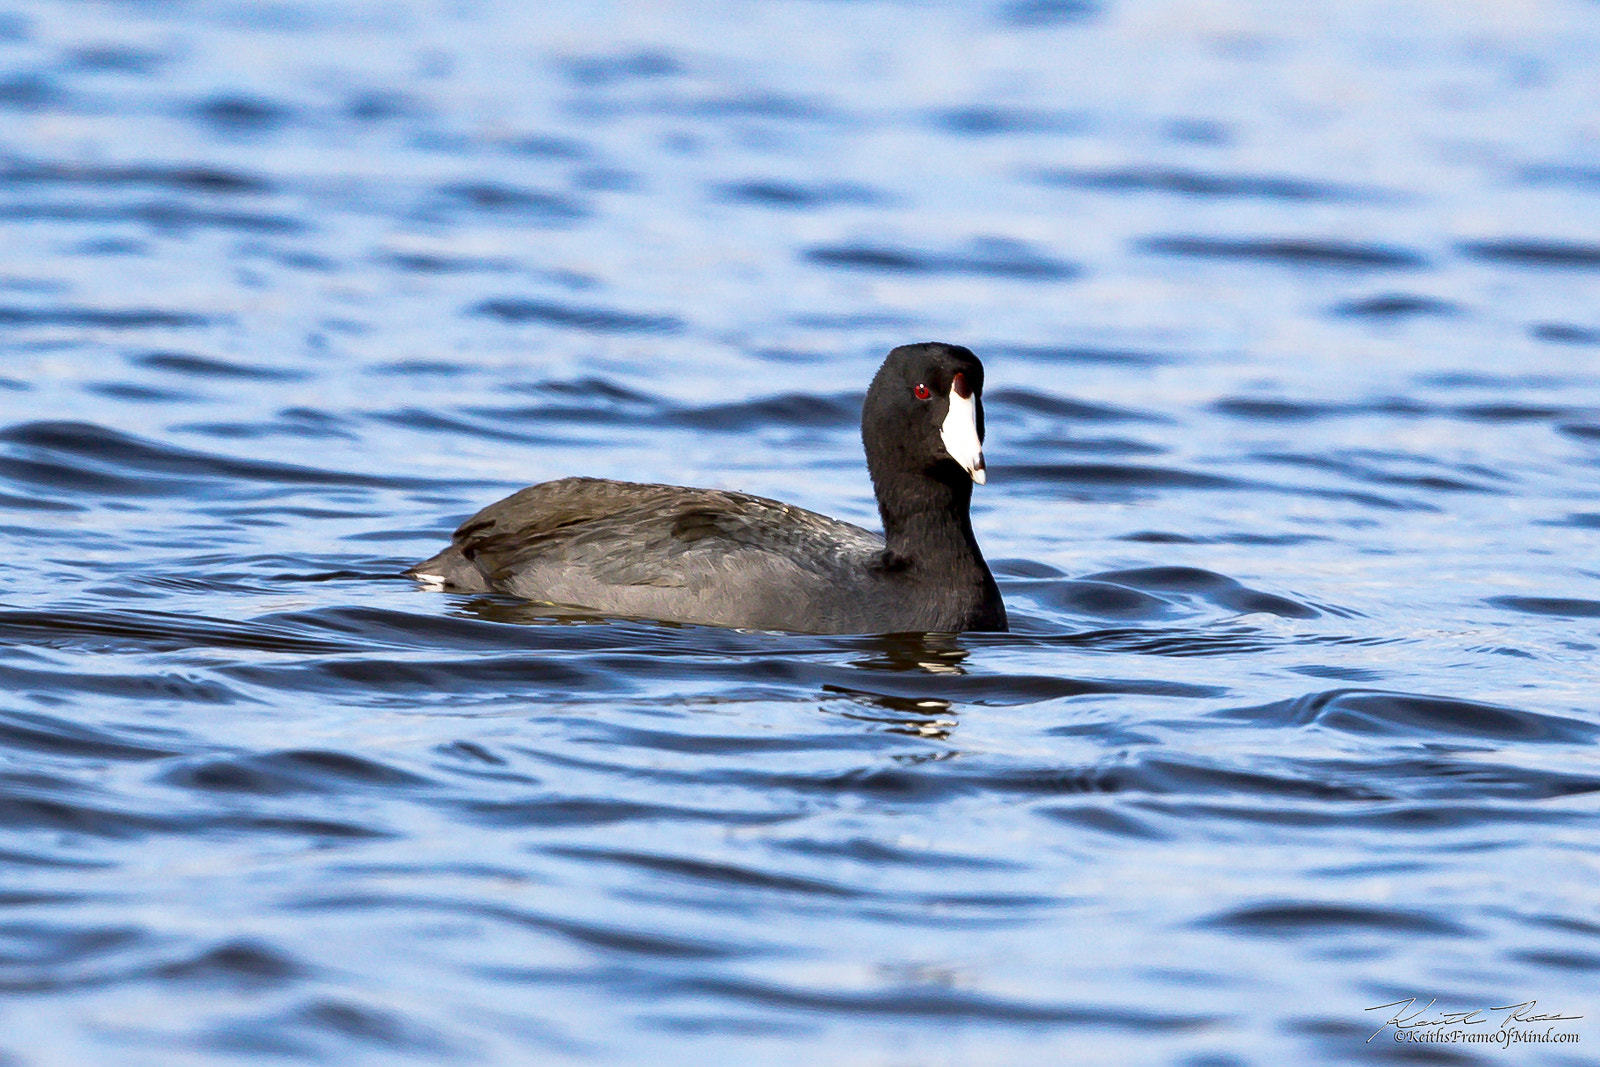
{"x":912,"y":659}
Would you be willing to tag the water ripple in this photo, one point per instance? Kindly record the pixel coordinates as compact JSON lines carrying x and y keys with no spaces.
{"x":1300,"y":252}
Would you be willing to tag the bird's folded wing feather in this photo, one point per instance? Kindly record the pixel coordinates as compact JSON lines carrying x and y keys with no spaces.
{"x":623,"y":533}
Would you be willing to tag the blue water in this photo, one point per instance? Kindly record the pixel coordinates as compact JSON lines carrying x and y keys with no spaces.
{"x":1291,"y":321}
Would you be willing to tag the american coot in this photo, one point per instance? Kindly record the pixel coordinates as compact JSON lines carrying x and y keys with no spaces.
{"x":731,"y":559}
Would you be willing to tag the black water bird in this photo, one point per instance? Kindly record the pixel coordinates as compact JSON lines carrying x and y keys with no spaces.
{"x":732,"y":559}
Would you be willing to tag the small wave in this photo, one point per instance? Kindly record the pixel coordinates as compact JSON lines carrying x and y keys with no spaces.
{"x":1392,"y":306}
{"x":769,"y":105}
{"x":1060,"y":407}
{"x":715,"y":873}
{"x":1293,"y":919}
{"x":853,"y":320}
{"x":194,"y":178}
{"x":600,"y":70}
{"x":301,"y":423}
{"x":1405,"y":471}
{"x":496,"y":199}
{"x":384,"y":105}
{"x":141,"y":394}
{"x":240,"y":114}
{"x":54,"y":736}
{"x":781,"y":194}
{"x":82,"y":456}
{"x":1379,"y":713}
{"x":30,"y":91}
{"x":951,"y":1005}
{"x":990,"y":121}
{"x":992,"y":256}
{"x":117,"y":59}
{"x":1201,"y":184}
{"x":1216,"y":589}
{"x":1047,"y":354}
{"x":1104,"y":600}
{"x":1124,"y":475}
{"x":237,"y":963}
{"x":1561,"y":174}
{"x":192,"y":366}
{"x":321,"y":1025}
{"x":288,"y":772}
{"x":150,"y":631}
{"x":791,"y":409}
{"x":571,"y":316}
{"x":158,"y":214}
{"x":1042,"y":14}
{"x":1283,"y":408}
{"x":1562,"y":607}
{"x":1530,"y":252}
{"x":429,"y":421}
{"x":1302,"y":252}
{"x":441,"y":263}
{"x":108,"y":318}
{"x":1565,"y":333}
{"x":546,"y":146}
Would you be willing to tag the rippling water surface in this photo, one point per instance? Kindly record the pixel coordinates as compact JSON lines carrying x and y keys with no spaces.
{"x":1293,"y":343}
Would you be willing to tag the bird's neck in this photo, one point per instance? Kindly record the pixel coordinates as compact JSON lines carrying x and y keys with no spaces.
{"x":926,"y":523}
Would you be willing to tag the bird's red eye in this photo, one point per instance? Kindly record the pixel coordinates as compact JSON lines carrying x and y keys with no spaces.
{"x":922,"y":391}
